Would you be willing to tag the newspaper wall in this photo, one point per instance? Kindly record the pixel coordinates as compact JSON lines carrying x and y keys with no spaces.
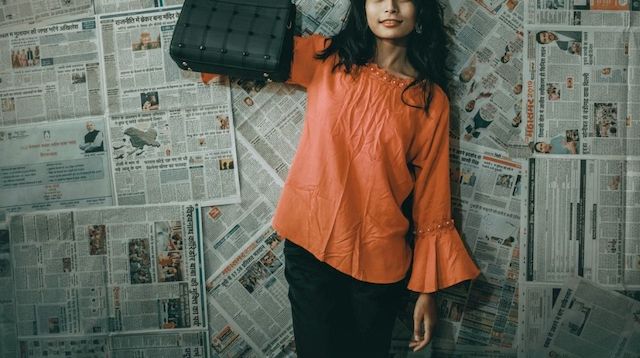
{"x":54,"y":165}
{"x":590,"y":321}
{"x":107,"y":271}
{"x":18,"y":13}
{"x":178,"y":155}
{"x":321,"y":16}
{"x":244,"y":258}
{"x":584,"y":217}
{"x":274,"y":128}
{"x":582,"y":94}
{"x":140,"y":74}
{"x":8,"y":334}
{"x":183,"y":343}
{"x":486,"y":46}
{"x":584,"y":12}
{"x":487,"y":194}
{"x":248,"y":306}
{"x":50,"y":73}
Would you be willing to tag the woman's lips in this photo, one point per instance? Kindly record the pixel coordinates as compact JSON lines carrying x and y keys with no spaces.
{"x":390,"y":23}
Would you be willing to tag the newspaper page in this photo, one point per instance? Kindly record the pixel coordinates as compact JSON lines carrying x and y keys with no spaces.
{"x":90,"y":346}
{"x":8,"y":334}
{"x":140,"y":74}
{"x":536,"y":313}
{"x":486,"y":51}
{"x":109,"y":6}
{"x":177,"y":155}
{"x":249,"y":313}
{"x":107,"y":271}
{"x":602,"y":13}
{"x":582,"y":96}
{"x":229,"y":234}
{"x":228,"y":228}
{"x":49,"y":73}
{"x":16,"y":13}
{"x":487,"y":195}
{"x":183,"y":343}
{"x":583,"y":219}
{"x":274,"y":128}
{"x":591,"y":321}
{"x":325,"y":17}
{"x":54,"y":165}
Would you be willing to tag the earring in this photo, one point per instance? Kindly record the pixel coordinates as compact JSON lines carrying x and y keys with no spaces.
{"x":418,"y":29}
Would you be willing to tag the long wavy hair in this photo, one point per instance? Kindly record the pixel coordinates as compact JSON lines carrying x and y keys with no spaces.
{"x":427,"y":51}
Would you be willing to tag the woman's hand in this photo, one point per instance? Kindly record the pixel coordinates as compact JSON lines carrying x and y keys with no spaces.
{"x":425,"y":317}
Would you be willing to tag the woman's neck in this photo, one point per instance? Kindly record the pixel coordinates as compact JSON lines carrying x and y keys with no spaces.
{"x":391,"y":55}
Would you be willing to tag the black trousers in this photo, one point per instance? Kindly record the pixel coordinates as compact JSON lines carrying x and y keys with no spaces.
{"x":335,"y":315}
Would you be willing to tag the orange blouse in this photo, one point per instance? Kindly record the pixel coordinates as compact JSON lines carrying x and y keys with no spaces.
{"x":361,"y":153}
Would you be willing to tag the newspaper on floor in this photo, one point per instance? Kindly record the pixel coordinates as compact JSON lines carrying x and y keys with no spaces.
{"x":321,"y":16}
{"x":107,"y":271}
{"x":54,"y":165}
{"x":21,"y":13}
{"x":177,"y":155}
{"x":50,"y":73}
{"x":486,"y":51}
{"x":537,"y":300}
{"x":226,"y":229}
{"x":591,"y":321}
{"x":584,"y":219}
{"x":8,"y":334}
{"x":249,"y":311}
{"x":140,"y":74}
{"x":584,"y":12}
{"x":272,"y":129}
{"x":487,"y":195}
{"x":183,"y":343}
{"x":233,"y":235}
{"x":582,"y":96}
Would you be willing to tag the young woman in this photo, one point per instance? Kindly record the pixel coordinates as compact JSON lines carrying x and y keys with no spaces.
{"x":376,"y":132}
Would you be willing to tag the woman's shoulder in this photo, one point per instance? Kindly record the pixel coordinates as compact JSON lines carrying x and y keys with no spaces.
{"x":315,"y":42}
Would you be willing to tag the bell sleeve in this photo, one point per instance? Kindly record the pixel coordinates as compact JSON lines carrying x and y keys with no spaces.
{"x":440,"y":258}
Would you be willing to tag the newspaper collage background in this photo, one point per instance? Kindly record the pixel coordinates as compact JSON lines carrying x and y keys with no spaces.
{"x":157,"y":243}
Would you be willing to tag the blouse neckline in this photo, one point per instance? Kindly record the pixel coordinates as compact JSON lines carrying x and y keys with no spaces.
{"x":374,"y":70}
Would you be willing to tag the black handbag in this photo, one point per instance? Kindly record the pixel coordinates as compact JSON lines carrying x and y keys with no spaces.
{"x":250,"y":39}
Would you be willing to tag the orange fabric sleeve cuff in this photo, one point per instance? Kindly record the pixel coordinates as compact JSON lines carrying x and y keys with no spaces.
{"x":440,"y":260}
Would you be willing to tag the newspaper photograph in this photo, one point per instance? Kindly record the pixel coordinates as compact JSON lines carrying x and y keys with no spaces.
{"x":622,"y":13}
{"x":178,"y":155}
{"x":18,"y":13}
{"x":486,"y":51}
{"x":591,"y":321}
{"x":597,"y":83}
{"x":249,"y":313}
{"x":583,"y":220}
{"x":140,"y":74}
{"x":54,"y":165}
{"x":103,"y":271}
{"x":50,"y":73}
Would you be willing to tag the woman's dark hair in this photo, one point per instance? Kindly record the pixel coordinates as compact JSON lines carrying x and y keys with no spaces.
{"x":427,"y":51}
